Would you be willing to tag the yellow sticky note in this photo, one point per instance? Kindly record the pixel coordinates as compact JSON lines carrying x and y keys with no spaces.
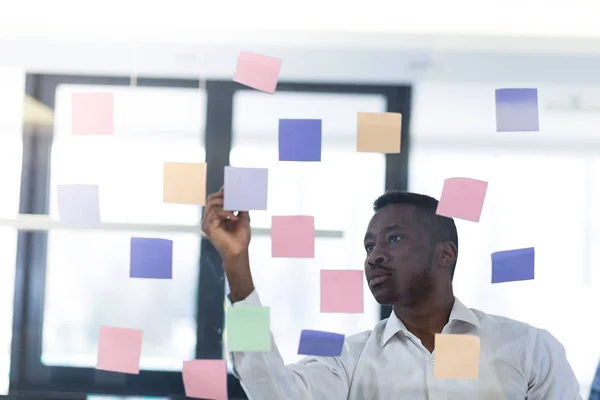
{"x":184,"y":183}
{"x":378,"y":132}
{"x":456,"y":356}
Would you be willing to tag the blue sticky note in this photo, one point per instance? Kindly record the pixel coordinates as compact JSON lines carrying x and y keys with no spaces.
{"x":513,"y":265}
{"x":517,"y":110}
{"x":151,"y":258}
{"x":299,"y":140}
{"x":245,"y":189}
{"x":317,"y":343}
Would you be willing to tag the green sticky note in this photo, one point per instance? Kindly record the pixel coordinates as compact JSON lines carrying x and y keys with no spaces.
{"x":248,"y":329}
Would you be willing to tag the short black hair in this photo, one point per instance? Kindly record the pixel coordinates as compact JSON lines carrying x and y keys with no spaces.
{"x":440,"y":228}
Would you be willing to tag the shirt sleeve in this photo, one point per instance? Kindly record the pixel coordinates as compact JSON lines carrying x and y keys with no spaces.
{"x":595,"y":392}
{"x":263,"y":375}
{"x":551,"y":376}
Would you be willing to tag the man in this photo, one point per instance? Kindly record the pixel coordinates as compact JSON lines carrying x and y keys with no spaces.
{"x":410,"y":257}
{"x":595,"y":392}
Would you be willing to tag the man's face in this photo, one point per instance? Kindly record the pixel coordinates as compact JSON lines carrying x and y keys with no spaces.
{"x":399,"y":262}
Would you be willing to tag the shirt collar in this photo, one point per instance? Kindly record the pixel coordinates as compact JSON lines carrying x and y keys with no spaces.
{"x":459,"y":312}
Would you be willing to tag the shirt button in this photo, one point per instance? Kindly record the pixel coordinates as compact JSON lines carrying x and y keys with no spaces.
{"x":432,"y":361}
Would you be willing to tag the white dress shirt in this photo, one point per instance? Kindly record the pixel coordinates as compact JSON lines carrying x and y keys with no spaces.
{"x":517,"y":361}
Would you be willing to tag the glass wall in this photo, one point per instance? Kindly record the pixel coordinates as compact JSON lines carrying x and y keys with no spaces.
{"x":87,"y":276}
{"x":338,"y":192}
{"x":544,"y":191}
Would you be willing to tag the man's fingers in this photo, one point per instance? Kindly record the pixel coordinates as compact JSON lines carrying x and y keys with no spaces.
{"x":216,"y":195}
{"x":243,"y":215}
{"x":216,"y":210}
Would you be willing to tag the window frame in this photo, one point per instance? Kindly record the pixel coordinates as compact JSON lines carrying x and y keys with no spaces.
{"x":28,"y":374}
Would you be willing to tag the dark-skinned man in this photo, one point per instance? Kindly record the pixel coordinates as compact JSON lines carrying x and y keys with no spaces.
{"x":410,"y":258}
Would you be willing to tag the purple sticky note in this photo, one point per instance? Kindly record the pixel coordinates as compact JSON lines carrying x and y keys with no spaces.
{"x":317,"y":343}
{"x":151,"y":258}
{"x":517,"y":110}
{"x":245,"y":189}
{"x":513,"y":265}
{"x":78,"y":204}
{"x":299,"y":140}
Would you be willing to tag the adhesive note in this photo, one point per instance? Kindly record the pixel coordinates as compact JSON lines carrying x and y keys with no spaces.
{"x":151,"y":258}
{"x":257,"y":71}
{"x":245,"y":189}
{"x":205,"y":379}
{"x":248,"y":328}
{"x":456,"y":356}
{"x":92,"y":114}
{"x":462,"y":198}
{"x":78,"y":204}
{"x":513,"y":265}
{"x":318,"y":343}
{"x":379,"y":132}
{"x":342,"y":291}
{"x":300,"y":140}
{"x":293,"y":236}
{"x":184,"y":183}
{"x":517,"y":110}
{"x":119,"y":350}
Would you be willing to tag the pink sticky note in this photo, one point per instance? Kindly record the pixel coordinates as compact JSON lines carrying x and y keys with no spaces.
{"x":462,"y":198}
{"x":119,"y":350}
{"x":92,"y":114}
{"x":342,"y":291}
{"x":257,"y":71}
{"x":205,"y":379}
{"x":293,"y":236}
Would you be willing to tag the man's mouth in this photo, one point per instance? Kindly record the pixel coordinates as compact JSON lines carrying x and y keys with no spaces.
{"x":378,"y":280}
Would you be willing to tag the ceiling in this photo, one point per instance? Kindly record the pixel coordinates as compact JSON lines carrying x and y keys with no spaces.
{"x":388,"y":41}
{"x":197,"y":21}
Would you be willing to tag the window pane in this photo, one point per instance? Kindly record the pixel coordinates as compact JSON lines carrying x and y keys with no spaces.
{"x":12,"y":82}
{"x":164,"y":125}
{"x":533,"y":199}
{"x":88,"y":285}
{"x":338,"y":192}
{"x":87,"y":277}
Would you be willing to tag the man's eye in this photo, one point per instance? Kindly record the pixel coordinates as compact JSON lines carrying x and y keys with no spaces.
{"x":394,"y":239}
{"x":369,"y":247}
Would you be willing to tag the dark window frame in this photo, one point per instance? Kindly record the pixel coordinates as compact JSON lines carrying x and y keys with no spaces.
{"x":28,"y":376}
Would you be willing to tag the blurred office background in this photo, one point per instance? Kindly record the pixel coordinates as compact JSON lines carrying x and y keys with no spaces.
{"x":170,"y":67}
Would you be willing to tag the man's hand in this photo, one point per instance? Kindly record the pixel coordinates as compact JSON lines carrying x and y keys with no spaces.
{"x":230,"y":234}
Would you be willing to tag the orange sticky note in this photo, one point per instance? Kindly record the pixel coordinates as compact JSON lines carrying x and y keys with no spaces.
{"x":342,"y":291}
{"x":462,"y":198}
{"x":257,"y":71}
{"x":119,"y":350}
{"x":92,"y":114}
{"x":456,"y":356}
{"x":378,"y":132}
{"x":205,"y":379}
{"x":184,"y":183}
{"x":293,"y":236}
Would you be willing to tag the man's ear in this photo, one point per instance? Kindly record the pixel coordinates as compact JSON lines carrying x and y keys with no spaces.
{"x":448,"y":254}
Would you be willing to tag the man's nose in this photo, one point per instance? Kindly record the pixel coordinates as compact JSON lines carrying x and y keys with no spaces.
{"x":377,"y":258}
